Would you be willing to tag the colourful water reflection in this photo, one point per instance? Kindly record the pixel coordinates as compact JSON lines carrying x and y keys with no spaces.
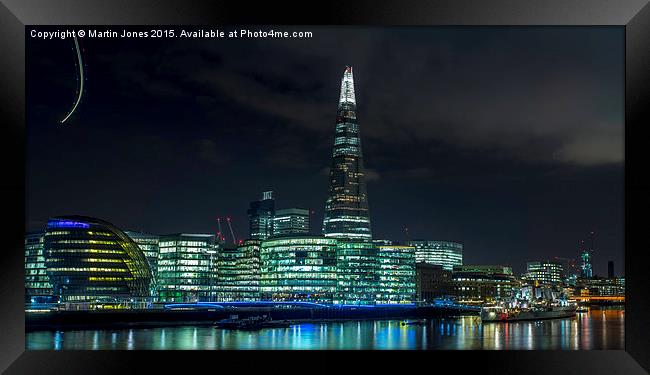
{"x":598,"y":329}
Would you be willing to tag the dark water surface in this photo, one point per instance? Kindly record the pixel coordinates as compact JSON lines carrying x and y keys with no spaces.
{"x":598,"y":329}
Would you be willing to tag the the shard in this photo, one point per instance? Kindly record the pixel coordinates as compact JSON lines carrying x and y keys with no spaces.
{"x":346,"y":208}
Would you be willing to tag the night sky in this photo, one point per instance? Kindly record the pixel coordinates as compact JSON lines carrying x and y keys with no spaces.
{"x":509,"y":140}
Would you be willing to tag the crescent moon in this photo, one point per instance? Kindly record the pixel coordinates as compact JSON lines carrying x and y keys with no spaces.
{"x":81,"y":85}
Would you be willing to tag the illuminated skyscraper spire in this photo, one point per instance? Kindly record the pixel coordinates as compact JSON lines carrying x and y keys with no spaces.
{"x":347,"y":88}
{"x":585,"y":261}
{"x":346,"y":208}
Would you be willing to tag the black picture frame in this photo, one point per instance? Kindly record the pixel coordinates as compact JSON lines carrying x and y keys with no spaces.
{"x":634,"y":15}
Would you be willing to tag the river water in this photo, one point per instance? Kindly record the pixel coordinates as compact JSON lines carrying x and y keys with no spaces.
{"x":598,"y":329}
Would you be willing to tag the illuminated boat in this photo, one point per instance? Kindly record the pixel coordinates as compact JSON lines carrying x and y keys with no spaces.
{"x":531,"y":302}
{"x":511,"y":314}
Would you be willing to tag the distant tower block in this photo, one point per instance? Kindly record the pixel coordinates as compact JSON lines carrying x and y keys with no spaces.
{"x":260,"y":217}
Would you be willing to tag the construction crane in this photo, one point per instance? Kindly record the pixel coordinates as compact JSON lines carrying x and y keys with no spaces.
{"x":220,"y":236}
{"x":232,"y":233}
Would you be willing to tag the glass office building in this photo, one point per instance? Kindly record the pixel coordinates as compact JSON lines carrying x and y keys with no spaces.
{"x":91,"y":260}
{"x":298,"y":268}
{"x":228,"y":263}
{"x":37,"y":283}
{"x":444,"y":253}
{"x":356,"y":273}
{"x":290,"y":221}
{"x":396,"y":273}
{"x":260,"y":217}
{"x":248,"y":270}
{"x":148,"y":243}
{"x":187,"y":268}
{"x":346,"y":207}
{"x":492,"y":269}
{"x":544,"y":272}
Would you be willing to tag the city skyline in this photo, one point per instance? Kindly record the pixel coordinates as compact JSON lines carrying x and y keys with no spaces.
{"x":525,"y":197}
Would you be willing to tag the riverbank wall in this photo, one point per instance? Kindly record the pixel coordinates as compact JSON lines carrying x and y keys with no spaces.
{"x":58,"y":320}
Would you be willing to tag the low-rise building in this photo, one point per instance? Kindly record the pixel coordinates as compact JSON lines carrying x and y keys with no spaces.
{"x":481,"y":284}
{"x":431,"y":282}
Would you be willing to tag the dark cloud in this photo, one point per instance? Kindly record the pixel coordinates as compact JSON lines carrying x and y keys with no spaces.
{"x":490,"y":136}
{"x":209,"y":151}
{"x":530,"y":97}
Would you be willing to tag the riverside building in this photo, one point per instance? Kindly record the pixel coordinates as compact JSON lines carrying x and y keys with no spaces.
{"x":356,"y":273}
{"x":37,"y":284}
{"x":248,"y":270}
{"x":478,"y":284}
{"x":148,"y":243}
{"x":91,"y":260}
{"x":396,"y":274}
{"x":227,"y":272}
{"x":431,"y":282}
{"x":298,"y":268}
{"x":187,"y":267}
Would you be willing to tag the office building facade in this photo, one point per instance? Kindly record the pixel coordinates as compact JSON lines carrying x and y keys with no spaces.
{"x":228,"y":263}
{"x":396,"y":274}
{"x":480,"y":284}
{"x":187,"y":268}
{"x":444,"y":253}
{"x":298,"y":268}
{"x":356,"y":272}
{"x":248,"y":270}
{"x":37,"y":284}
{"x":148,"y":243}
{"x":290,"y":221}
{"x":491,"y":269}
{"x":260,"y":217}
{"x":544,"y":272}
{"x":599,"y":286}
